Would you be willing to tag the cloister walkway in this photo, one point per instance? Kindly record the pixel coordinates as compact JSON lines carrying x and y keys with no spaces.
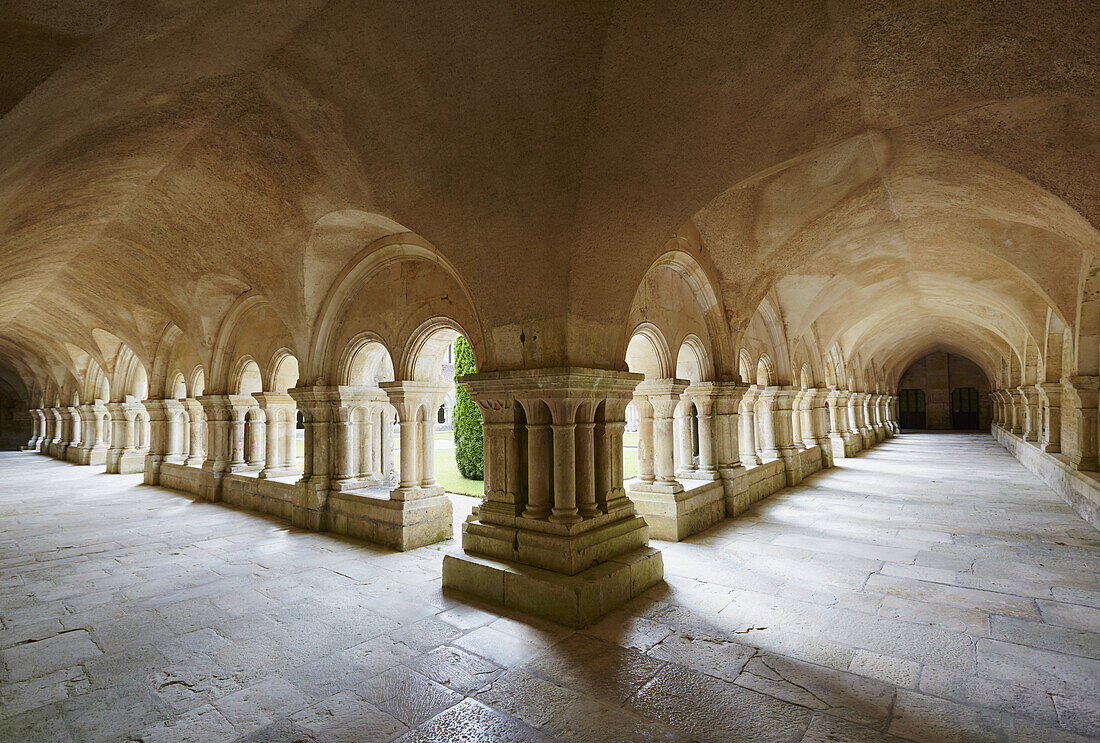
{"x":930,"y":589}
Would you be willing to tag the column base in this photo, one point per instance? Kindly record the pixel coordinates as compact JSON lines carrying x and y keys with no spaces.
{"x":565,"y":548}
{"x":673,"y":516}
{"x":572,"y":600}
{"x":128,"y":462}
{"x":371,"y":514}
{"x":270,"y":473}
{"x":700,"y":475}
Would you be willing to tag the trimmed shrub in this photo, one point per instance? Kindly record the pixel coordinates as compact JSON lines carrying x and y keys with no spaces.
{"x":469,"y":455}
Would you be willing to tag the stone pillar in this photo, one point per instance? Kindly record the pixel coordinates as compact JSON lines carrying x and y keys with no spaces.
{"x":162,"y":436}
{"x":122,"y":439}
{"x":685,"y":455}
{"x":747,"y":427}
{"x":1082,"y":398}
{"x":1016,"y":407}
{"x":714,"y":422}
{"x":310,"y":509}
{"x":783,"y":414}
{"x":866,"y":433}
{"x":661,"y":396}
{"x":416,"y":403}
{"x":219,"y":413}
{"x":56,"y":431}
{"x":196,"y":453}
{"x":1031,"y":418}
{"x":645,"y":438}
{"x":815,"y":427}
{"x":1051,"y":396}
{"x":766,"y":423}
{"x":796,"y":420}
{"x":280,"y":414}
{"x":840,"y":438}
{"x":240,"y":408}
{"x":70,"y":445}
{"x":575,"y":568}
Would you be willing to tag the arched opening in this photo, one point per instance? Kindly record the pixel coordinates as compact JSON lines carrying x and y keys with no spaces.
{"x":369,"y":455}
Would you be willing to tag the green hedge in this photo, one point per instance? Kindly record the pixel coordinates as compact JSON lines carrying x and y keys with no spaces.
{"x":467,"y":418}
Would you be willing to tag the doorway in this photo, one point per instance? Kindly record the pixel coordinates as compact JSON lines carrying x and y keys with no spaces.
{"x":964,"y":409}
{"x":911,"y":409}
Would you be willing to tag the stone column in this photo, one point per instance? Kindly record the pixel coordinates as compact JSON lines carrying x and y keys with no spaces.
{"x":57,"y":430}
{"x":783,"y":414}
{"x":316,"y":404}
{"x":196,"y":454}
{"x":766,"y":423}
{"x":578,"y":566}
{"x":839,"y":441}
{"x":712,"y":416}
{"x":685,"y":456}
{"x":71,"y":444}
{"x":220,"y":417}
{"x":539,"y":452}
{"x":280,"y":413}
{"x":416,"y":403}
{"x":121,"y":429}
{"x":1082,"y":398}
{"x":1032,"y":420}
{"x":664,"y":397}
{"x":239,"y":408}
{"x":645,"y":438}
{"x":747,"y":427}
{"x":796,"y":420}
{"x":587,"y":506}
{"x":1017,"y":405}
{"x":1051,"y":396}
{"x":162,"y":436}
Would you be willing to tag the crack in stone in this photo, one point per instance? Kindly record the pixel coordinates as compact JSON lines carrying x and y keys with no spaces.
{"x":50,"y":637}
{"x":797,"y":686}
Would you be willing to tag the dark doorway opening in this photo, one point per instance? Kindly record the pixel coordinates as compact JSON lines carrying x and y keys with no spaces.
{"x":911,"y":409}
{"x":964,"y":408}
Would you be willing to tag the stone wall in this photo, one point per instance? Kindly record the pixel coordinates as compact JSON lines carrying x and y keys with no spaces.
{"x":1080,"y":489}
{"x":939,"y":373}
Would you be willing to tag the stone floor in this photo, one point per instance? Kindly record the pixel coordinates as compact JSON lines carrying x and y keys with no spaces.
{"x":930,"y":589}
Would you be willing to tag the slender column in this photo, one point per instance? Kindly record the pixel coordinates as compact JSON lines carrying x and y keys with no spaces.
{"x":257,"y":438}
{"x":765,"y":424}
{"x":1051,"y":395}
{"x":238,"y":455}
{"x":538,"y":459}
{"x":505,"y":484}
{"x":75,"y":430}
{"x":796,"y":420}
{"x":1016,"y":412}
{"x":161,"y":413}
{"x":808,"y":424}
{"x":586,"y":464}
{"x":380,"y":420}
{"x":1032,"y":420}
{"x":747,"y":427}
{"x":343,"y":432}
{"x":783,"y":416}
{"x":386,"y":436}
{"x":684,"y":462}
{"x":645,"y":438}
{"x":563,"y":413}
{"x":196,"y":453}
{"x":409,"y":467}
{"x":664,"y":400}
{"x":704,"y":406}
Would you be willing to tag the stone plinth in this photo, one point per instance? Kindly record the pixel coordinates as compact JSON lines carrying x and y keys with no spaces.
{"x":676,"y":515}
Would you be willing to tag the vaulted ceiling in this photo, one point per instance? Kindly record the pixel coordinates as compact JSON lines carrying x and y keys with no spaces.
{"x":906,"y":176}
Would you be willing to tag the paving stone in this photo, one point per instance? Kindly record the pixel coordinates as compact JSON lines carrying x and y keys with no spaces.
{"x":259,"y":705}
{"x":937,"y":615}
{"x":930,"y":645}
{"x":591,"y":666}
{"x":1042,"y":669}
{"x":722,"y":659}
{"x":41,"y":724}
{"x":978,"y":691}
{"x":37,"y":658}
{"x":202,"y":725}
{"x":921,"y":717}
{"x":1051,"y":637}
{"x":828,"y":729}
{"x":894,"y":671}
{"x":846,"y":695}
{"x":348,"y":718}
{"x":713,"y":710}
{"x":42,"y":690}
{"x":502,"y":648}
{"x":1074,"y":616}
{"x":409,"y":696}
{"x":456,"y":669}
{"x":470,"y":721}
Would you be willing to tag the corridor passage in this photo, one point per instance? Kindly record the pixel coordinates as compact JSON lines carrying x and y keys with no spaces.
{"x":929,"y":589}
